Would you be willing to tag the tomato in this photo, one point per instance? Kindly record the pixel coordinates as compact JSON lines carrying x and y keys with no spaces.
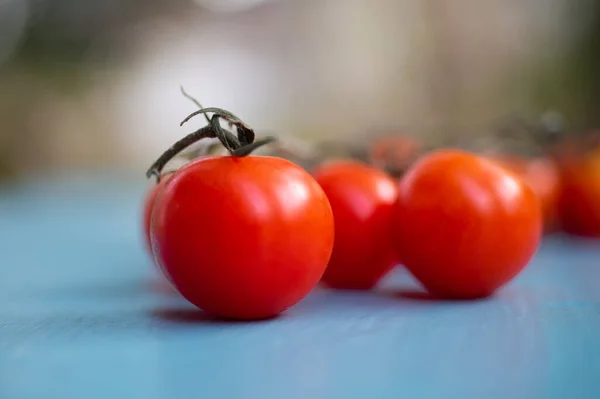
{"x":394,"y":154}
{"x":579,"y":205}
{"x":149,"y":204}
{"x":463,"y":225}
{"x":242,"y":238}
{"x":362,"y":198}
{"x":543,"y":176}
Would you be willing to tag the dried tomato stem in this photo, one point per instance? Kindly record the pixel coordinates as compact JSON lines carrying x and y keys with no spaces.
{"x":192,"y":99}
{"x":239,"y":146}
{"x":159,"y":164}
{"x":249,"y":148}
{"x":225,"y":137}
{"x":228,"y":116}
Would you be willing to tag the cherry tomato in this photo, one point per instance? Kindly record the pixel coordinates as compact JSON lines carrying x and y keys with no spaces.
{"x":243,"y":238}
{"x":543,"y":176}
{"x":362,"y":198}
{"x":149,"y":205}
{"x":463,"y":225}
{"x":394,"y":154}
{"x":579,"y":205}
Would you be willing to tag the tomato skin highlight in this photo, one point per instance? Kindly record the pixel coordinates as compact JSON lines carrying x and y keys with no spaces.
{"x":464,"y":226}
{"x":243,"y":238}
{"x":362,"y":199}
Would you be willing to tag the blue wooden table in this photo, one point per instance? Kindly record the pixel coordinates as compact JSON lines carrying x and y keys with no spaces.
{"x":84,"y":315}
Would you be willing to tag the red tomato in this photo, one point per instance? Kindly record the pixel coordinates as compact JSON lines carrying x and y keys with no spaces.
{"x":463,"y":225}
{"x":243,"y":238}
{"x":543,"y":176}
{"x":362,"y":199}
{"x":579,"y":205}
{"x":149,"y":204}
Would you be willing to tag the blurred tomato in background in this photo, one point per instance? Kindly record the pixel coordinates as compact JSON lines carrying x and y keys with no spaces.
{"x":579,"y":204}
{"x":543,"y":176}
{"x":394,"y":154}
{"x":362,"y":198}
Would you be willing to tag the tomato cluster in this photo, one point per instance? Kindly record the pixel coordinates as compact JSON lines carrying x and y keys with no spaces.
{"x":564,"y":173}
{"x":245,"y":237}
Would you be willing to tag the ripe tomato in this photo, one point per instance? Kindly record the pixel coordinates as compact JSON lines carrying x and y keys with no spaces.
{"x":579,"y":205}
{"x":543,"y":176}
{"x":149,"y":205}
{"x":463,"y":225}
{"x":362,"y":198}
{"x":242,"y":238}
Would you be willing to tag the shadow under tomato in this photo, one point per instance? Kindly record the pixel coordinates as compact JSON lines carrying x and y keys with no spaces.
{"x":197,"y":316}
{"x":423,"y":296}
{"x":414,"y":295}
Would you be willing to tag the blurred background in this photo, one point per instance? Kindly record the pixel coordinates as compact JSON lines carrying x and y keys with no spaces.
{"x":94,"y":85}
{"x":90,"y":97}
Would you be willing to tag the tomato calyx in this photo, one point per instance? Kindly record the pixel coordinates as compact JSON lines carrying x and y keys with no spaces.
{"x":239,"y":145}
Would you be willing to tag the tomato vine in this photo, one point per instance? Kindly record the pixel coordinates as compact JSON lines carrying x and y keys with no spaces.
{"x":239,"y":145}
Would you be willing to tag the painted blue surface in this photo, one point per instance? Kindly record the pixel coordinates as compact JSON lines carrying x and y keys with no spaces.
{"x":82,"y":315}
